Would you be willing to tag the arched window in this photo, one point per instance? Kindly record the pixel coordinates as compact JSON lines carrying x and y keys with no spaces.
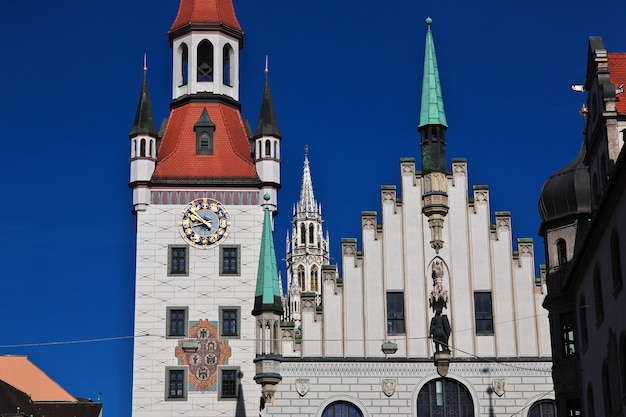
{"x":342,"y":409}
{"x":184,"y":64}
{"x":582,"y":312}
{"x":311,"y":233}
{"x":268,"y":148}
{"x":597,"y":292}
{"x":276,"y":155}
{"x":616,"y":262}
{"x":151,"y":153}
{"x":622,"y":363}
{"x":545,"y":408}
{"x":134,"y":148}
{"x":561,"y":252}
{"x":142,"y":147}
{"x":301,"y":278}
{"x":205,"y":61}
{"x":590,"y":401}
{"x":606,"y":390}
{"x":314,"y":279}
{"x":227,"y":53}
{"x":302,"y":234}
{"x":444,"y":397}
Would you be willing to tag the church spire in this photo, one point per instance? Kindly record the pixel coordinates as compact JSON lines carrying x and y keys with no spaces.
{"x":431,"y":111}
{"x":307,"y":199}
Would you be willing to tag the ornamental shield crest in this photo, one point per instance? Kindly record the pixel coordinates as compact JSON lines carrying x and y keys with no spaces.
{"x":389,"y":387}
{"x":498,"y":386}
{"x":302,"y":386}
{"x":203,"y":352}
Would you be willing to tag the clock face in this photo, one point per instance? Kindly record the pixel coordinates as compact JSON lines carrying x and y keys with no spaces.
{"x":204,"y":223}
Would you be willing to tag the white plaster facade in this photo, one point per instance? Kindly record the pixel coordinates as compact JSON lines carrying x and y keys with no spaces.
{"x":339,"y":352}
{"x":202,"y":292}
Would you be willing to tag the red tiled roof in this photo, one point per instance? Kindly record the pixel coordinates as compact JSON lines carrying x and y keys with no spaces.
{"x":617,"y":68}
{"x":231,"y":160}
{"x":22,"y":374}
{"x":206,"y":13}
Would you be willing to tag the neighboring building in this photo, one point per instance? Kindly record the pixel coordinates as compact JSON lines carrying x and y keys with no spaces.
{"x":25,"y":390}
{"x":307,"y":250}
{"x":583,"y":227}
{"x":431,"y":265}
{"x":198,"y":188}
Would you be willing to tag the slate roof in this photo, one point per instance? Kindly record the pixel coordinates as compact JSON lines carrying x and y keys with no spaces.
{"x":267,"y":124}
{"x":617,"y":68}
{"x":206,"y":13}
{"x":231,"y":161}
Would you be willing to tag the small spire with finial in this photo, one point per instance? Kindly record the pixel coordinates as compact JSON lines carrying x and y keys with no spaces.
{"x":145,"y":62}
{"x":267,"y":69}
{"x":429,"y":22}
{"x":306,"y":150}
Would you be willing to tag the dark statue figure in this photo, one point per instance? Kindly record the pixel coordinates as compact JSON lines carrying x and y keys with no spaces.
{"x":440,"y":331}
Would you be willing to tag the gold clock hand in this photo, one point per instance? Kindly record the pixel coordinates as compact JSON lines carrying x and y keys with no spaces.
{"x":195,"y":215}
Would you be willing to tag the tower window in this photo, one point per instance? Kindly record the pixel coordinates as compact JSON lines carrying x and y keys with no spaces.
{"x":301,"y":278}
{"x":228,"y":383}
{"x":227,"y":68}
{"x":176,"y":322}
{"x":229,"y":322}
{"x":176,"y":388}
{"x":268,"y":148}
{"x":177,"y":261}
{"x":561,"y":252}
{"x":314,"y":279}
{"x":184,"y":64}
{"x":142,"y":147}
{"x":483,"y":313}
{"x":311,"y":234}
{"x":229,"y":256}
{"x":302,"y":234}
{"x":205,"y":61}
{"x":395,"y":313}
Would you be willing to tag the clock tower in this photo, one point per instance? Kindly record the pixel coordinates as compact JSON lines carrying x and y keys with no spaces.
{"x":198,"y":202}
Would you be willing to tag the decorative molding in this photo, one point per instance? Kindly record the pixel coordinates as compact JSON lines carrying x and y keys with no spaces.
{"x":459,"y":168}
{"x":349,"y":249}
{"x":181,"y":197}
{"x":481,"y":196}
{"x":368,"y":222}
{"x":407,"y":168}
{"x":389,"y":196}
{"x":504,"y":223}
{"x":413,"y":369}
{"x":525,"y":249}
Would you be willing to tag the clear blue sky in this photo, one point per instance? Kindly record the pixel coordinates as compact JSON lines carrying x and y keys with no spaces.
{"x":345,"y":78}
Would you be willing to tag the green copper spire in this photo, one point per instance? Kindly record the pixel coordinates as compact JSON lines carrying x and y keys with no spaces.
{"x":431,"y":112}
{"x":267,"y":296}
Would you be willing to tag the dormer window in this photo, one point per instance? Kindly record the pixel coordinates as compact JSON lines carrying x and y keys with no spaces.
{"x":205,"y":130}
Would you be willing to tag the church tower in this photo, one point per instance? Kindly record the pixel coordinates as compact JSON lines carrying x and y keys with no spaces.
{"x":197,"y":199}
{"x":307,"y":248}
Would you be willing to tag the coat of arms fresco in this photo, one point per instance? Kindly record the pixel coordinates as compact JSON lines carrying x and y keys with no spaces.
{"x":203,"y":352}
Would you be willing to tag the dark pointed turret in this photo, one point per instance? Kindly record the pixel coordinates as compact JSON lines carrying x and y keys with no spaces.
{"x":144,"y":122}
{"x":267,"y":124}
